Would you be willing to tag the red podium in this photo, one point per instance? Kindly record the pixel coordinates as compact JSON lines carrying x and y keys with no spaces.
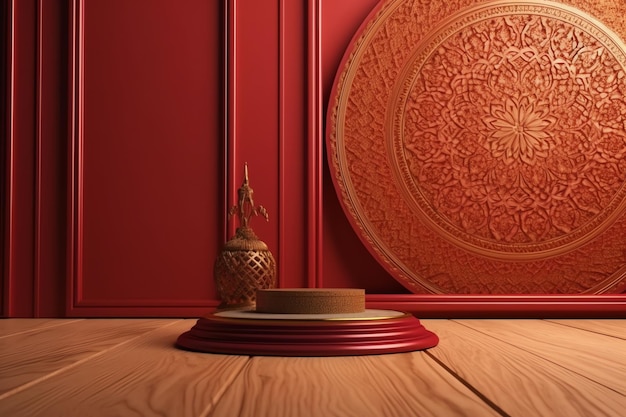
{"x":247,"y":332}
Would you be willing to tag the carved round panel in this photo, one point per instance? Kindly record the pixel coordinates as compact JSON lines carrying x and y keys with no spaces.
{"x":480,"y":147}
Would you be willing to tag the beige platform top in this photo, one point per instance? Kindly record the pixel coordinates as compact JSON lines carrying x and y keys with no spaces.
{"x":310,"y":300}
{"x":365,"y":315}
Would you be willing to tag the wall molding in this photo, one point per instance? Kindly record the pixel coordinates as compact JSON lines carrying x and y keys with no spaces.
{"x":8,"y":163}
{"x":502,"y":306}
{"x":18,"y":165}
{"x":230,"y":116}
{"x":37,"y":278}
{"x":283,"y":135}
{"x":315,"y":142}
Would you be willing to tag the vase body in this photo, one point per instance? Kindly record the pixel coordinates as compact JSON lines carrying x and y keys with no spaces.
{"x":244,"y":265}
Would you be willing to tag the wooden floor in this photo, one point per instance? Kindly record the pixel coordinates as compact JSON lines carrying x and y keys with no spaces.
{"x":129,"y":367}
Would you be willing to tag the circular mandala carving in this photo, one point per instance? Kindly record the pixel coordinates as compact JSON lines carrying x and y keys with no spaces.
{"x":480,"y":147}
{"x":509,"y":130}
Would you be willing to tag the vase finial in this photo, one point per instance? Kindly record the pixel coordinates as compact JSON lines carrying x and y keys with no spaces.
{"x":245,"y":207}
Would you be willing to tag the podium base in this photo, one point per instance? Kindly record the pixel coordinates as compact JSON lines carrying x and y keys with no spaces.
{"x":371,"y":332}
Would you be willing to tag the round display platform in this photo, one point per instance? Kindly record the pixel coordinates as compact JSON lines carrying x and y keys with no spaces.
{"x":310,"y":300}
{"x":242,"y":332}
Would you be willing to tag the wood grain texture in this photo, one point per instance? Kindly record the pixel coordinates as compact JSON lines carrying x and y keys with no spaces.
{"x":10,"y":327}
{"x":408,"y":384}
{"x":123,"y":367}
{"x":28,"y":356}
{"x":595,"y":356}
{"x":146,"y":377}
{"x":614,"y":327}
{"x":521,"y":383}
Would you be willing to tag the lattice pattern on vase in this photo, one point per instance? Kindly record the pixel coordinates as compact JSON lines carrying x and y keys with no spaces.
{"x":244,"y":266}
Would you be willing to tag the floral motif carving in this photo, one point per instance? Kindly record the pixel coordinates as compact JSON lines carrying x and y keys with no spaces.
{"x":511,"y":131}
{"x":519,"y":130}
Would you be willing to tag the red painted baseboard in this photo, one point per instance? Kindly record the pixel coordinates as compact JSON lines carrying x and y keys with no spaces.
{"x":503,"y":306}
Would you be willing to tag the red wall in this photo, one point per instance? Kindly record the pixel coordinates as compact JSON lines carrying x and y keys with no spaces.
{"x":114,"y":160}
{"x":126,"y":126}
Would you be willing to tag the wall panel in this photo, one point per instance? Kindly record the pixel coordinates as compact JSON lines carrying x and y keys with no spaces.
{"x":267,"y":126}
{"x":147,"y":164}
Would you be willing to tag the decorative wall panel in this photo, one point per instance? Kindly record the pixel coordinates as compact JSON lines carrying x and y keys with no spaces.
{"x":146,"y":166}
{"x":480,"y":147}
{"x":266,"y":82}
{"x":166,"y":109}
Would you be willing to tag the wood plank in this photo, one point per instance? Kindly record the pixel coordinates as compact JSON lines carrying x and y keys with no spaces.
{"x":408,"y":384}
{"x":609,"y":327}
{"x":595,"y":356}
{"x":25,"y":357}
{"x":521,"y":383}
{"x":10,"y":327}
{"x":147,"y":376}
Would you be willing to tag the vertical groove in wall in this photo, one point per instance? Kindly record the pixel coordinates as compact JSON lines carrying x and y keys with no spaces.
{"x":230,"y":105}
{"x":71,"y":206}
{"x":38,"y":160}
{"x":8,"y":202}
{"x":80,"y":99}
{"x":315,"y":143}
{"x":75,"y":238}
{"x":225,"y":115}
{"x":281,"y":141}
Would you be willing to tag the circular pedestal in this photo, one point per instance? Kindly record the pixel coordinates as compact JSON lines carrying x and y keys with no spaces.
{"x":310,"y":300}
{"x":252,"y":333}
